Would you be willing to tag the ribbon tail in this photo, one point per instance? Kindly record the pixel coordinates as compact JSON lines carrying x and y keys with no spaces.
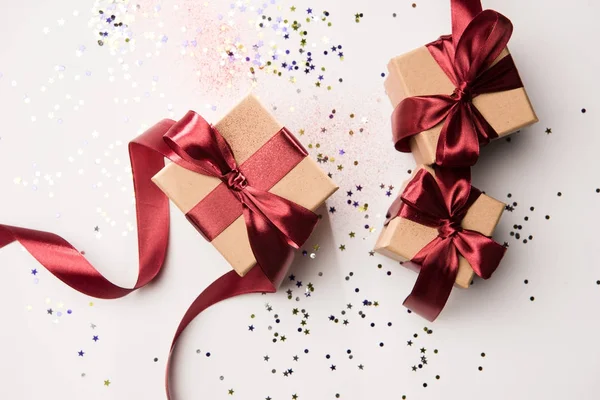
{"x":458,"y":145}
{"x":501,"y":77}
{"x":61,"y":259}
{"x":295,"y":222}
{"x":485,"y":132}
{"x":417,"y":114}
{"x":439,"y":267}
{"x":227,"y":286}
{"x":483,"y":253}
{"x":271,"y":250}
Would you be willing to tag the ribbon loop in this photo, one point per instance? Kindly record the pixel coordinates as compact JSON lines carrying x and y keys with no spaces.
{"x":199,"y":147}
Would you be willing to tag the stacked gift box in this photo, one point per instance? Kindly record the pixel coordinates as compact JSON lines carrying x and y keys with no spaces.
{"x":451,"y":97}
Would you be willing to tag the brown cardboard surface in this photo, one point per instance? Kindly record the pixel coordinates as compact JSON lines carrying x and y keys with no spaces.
{"x":417,"y":74}
{"x":246,"y":127}
{"x":402,"y":239}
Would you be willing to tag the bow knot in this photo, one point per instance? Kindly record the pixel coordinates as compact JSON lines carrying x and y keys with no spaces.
{"x":463,"y":93}
{"x":449,"y":228}
{"x":235,"y":180}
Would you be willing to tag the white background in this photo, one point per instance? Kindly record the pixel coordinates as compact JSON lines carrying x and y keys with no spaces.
{"x":69,"y":107}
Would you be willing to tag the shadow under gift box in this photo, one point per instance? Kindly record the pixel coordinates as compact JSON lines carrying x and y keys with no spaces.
{"x":402,"y":238}
{"x":247,"y":127}
{"x":418,"y":74}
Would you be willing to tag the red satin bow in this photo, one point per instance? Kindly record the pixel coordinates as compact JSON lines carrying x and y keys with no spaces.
{"x":442,"y":204}
{"x":478,"y":37}
{"x":275,"y":224}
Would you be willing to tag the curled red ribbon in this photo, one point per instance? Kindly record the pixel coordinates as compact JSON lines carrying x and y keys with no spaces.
{"x":275,"y":225}
{"x":478,"y":37}
{"x":442,"y":202}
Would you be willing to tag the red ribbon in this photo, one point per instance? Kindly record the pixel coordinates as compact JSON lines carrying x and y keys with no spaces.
{"x":442,"y":202}
{"x":274,"y":224}
{"x":478,"y":37}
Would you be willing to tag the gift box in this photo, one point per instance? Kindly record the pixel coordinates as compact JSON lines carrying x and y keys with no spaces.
{"x":401,"y":238}
{"x":417,"y":73}
{"x":248,"y":128}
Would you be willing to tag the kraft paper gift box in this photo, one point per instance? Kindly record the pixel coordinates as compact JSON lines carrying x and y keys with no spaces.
{"x":418,"y":74}
{"x":402,"y":238}
{"x":247,"y":127}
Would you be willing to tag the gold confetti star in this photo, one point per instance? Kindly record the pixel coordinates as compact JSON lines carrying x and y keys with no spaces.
{"x":107,"y":383}
{"x":548,"y":131}
{"x":352,"y":234}
{"x":230,"y":391}
{"x":301,"y":132}
{"x":293,"y":8}
{"x":342,"y":247}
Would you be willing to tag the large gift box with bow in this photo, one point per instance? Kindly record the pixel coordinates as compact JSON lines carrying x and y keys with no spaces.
{"x":459,"y":92}
{"x":266,"y":183}
{"x":441,"y":226}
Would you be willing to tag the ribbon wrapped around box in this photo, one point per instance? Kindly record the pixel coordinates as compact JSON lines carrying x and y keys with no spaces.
{"x":459,"y":92}
{"x":269,"y":158}
{"x":264,"y":197}
{"x":440,"y":226}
